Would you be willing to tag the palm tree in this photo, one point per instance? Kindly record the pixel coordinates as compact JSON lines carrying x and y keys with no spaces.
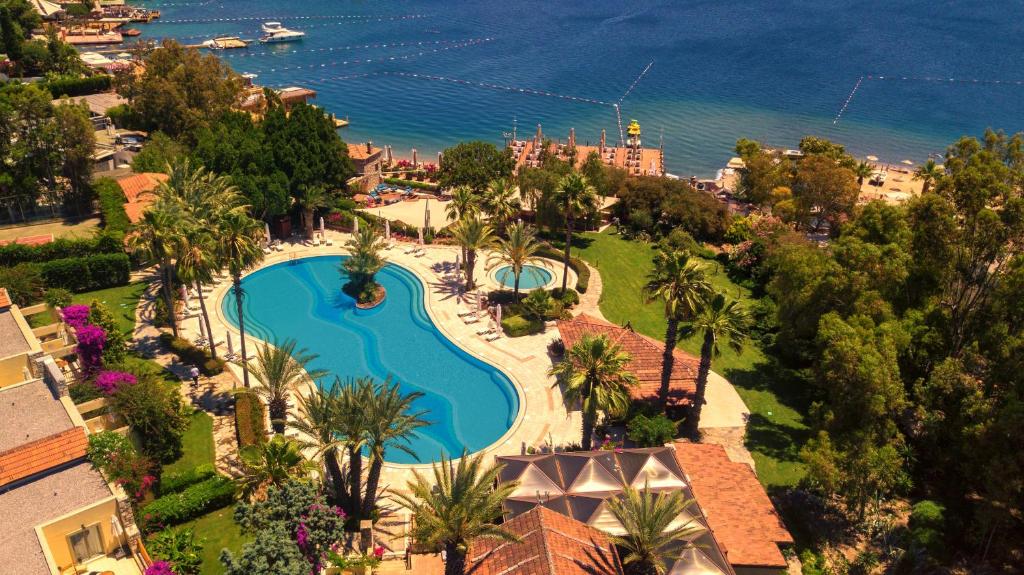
{"x":464,"y":203}
{"x":270,"y":463}
{"x":516,"y":252}
{"x":472,"y":234}
{"x":280,"y":368}
{"x":363,"y":264}
{"x":238,"y":242}
{"x":928,"y":173}
{"x":459,"y":505}
{"x":863,"y":171}
{"x":351,"y":424}
{"x":594,"y":374}
{"x":390,"y":422}
{"x":317,"y":419}
{"x":153,"y":239}
{"x":679,"y":282}
{"x":575,"y":196}
{"x":717,"y":319}
{"x":309,"y":199}
{"x":501,"y":202}
{"x":197,"y":260}
{"x":653,"y":529}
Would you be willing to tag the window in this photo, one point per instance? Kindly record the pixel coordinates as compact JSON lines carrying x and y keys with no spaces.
{"x":86,"y":543}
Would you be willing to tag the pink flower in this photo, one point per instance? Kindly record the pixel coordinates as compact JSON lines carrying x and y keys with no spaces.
{"x":109,"y":381}
{"x":76,"y":316}
{"x":160,"y":568}
{"x":91,"y":340}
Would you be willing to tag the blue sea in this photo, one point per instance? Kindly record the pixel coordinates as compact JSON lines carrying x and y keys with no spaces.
{"x":426,"y":74}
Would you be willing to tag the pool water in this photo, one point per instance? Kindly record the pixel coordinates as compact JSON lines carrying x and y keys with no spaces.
{"x":530,"y":278}
{"x":470,"y":403}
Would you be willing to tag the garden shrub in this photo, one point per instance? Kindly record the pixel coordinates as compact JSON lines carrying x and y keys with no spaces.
{"x":83,"y":392}
{"x":87,"y":273}
{"x":927,"y":525}
{"x":175,"y":482}
{"x":62,"y":248}
{"x":154,"y":410}
{"x":568,"y":299}
{"x":111,"y":202}
{"x":411,"y":184}
{"x":180,"y":548}
{"x":109,"y":382}
{"x":116,"y":347}
{"x":250,"y":420}
{"x":195,"y":500}
{"x":518,"y":326}
{"x":57,"y":297}
{"x":24,"y":282}
{"x":77,"y":86}
{"x":190,"y":354}
{"x":115,"y":457}
{"x":651,"y":431}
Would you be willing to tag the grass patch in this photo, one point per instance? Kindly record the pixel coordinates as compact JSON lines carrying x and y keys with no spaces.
{"x":777,"y":430}
{"x":196,"y":444}
{"x":218,"y":531}
{"x":121,"y":300}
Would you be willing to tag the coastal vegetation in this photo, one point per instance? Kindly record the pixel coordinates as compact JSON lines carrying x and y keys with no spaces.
{"x":362,"y":265}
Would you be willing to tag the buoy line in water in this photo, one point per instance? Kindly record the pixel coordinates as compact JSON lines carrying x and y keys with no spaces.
{"x":365,"y":60}
{"x":251,"y":31}
{"x":849,"y":99}
{"x":352,"y":47}
{"x":941,"y":80}
{"x":635,"y":82}
{"x":359,"y":17}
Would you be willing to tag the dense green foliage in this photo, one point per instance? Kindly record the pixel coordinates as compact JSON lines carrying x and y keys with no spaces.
{"x":78,"y":85}
{"x":24,"y":283}
{"x":154,"y":410}
{"x":175,"y":482}
{"x":180,"y":547}
{"x":651,"y":431}
{"x":12,"y":254}
{"x":249,"y":420}
{"x":111,"y":202}
{"x":518,"y":326}
{"x":87,"y":273}
{"x":192,"y":355}
{"x":656,"y":206}
{"x":474,"y":164}
{"x":160,"y":152}
{"x":191,"y":502}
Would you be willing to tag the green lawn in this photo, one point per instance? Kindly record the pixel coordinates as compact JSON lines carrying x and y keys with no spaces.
{"x":777,"y":429}
{"x":197,"y":444}
{"x":122,"y":302}
{"x":217,"y":531}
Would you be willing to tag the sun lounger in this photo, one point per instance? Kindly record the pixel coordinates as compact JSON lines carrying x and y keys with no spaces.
{"x":470,"y":319}
{"x":493,"y":336}
{"x":420,"y":253}
{"x":267,"y":250}
{"x":409,"y":250}
{"x":485,"y":331}
{"x":465,"y":312}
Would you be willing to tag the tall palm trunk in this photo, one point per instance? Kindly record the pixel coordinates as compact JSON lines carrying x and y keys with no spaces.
{"x":568,"y":245}
{"x":307,"y":215}
{"x":206,"y":320}
{"x":470,"y":264}
{"x":236,"y":282}
{"x":168,"y":289}
{"x":372,"y":483}
{"x":278,"y":415}
{"x":355,"y":479}
{"x":703,"y":370}
{"x":515,"y":293}
{"x":337,"y":479}
{"x":456,"y":559}
{"x":589,"y":418}
{"x":668,"y":360}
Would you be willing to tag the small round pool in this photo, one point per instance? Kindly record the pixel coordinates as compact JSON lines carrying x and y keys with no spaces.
{"x":532,"y":277}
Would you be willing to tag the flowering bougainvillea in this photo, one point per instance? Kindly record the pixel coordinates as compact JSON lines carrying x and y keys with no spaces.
{"x":91,"y":340}
{"x":160,"y":568}
{"x":109,"y":381}
{"x":76,"y":316}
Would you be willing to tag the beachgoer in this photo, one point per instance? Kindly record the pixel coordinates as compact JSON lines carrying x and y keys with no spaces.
{"x":194,"y":374}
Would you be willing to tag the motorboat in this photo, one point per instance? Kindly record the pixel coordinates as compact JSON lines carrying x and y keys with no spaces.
{"x":274,"y":32}
{"x":225,"y":42}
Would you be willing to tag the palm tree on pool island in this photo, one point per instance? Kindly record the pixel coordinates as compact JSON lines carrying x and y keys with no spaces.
{"x":280,"y":369}
{"x":679,"y":282}
{"x":472,"y":234}
{"x":238,"y":238}
{"x":362,"y":265}
{"x":594,"y":374}
{"x":575,"y":196}
{"x":460,"y":504}
{"x":654,"y":531}
{"x":517,"y":251}
{"x":717,"y":319}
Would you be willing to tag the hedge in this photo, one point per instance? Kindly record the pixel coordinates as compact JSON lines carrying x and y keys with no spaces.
{"x":87,"y":273}
{"x":78,"y":86}
{"x":577,"y":265}
{"x":190,"y":354}
{"x":111,"y":201}
{"x":14,"y":254}
{"x":411,"y":184}
{"x":195,"y":500}
{"x":175,"y":482}
{"x":517,"y":326}
{"x":250,"y":426}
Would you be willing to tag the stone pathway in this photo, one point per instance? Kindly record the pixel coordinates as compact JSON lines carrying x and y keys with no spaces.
{"x":213,"y":395}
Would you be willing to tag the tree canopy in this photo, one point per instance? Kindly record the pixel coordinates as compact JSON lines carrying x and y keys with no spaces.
{"x":475,"y":164}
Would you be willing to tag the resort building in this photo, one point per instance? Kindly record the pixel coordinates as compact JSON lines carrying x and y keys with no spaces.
{"x":138,"y":192}
{"x":369,"y":162}
{"x":59,"y":514}
{"x":645,"y":359}
{"x":735,"y":529}
{"x":632,"y":156}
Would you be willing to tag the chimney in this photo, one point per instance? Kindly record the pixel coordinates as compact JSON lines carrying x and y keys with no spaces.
{"x":369,"y":147}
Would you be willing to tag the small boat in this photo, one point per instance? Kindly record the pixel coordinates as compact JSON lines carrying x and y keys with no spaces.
{"x":225,"y":42}
{"x":275,"y":32}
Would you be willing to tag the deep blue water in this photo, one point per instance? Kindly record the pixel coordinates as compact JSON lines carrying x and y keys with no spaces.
{"x":773,"y":71}
{"x":470,"y":403}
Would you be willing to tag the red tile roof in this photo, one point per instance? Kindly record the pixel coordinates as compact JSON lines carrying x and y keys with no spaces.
{"x":5,"y":299}
{"x":42,"y":454}
{"x":138,"y":190}
{"x":550,"y":544}
{"x":646,"y":358}
{"x":736,"y":506}
{"x":363,"y":152}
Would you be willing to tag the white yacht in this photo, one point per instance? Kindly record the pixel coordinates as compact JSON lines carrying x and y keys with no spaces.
{"x":274,"y":32}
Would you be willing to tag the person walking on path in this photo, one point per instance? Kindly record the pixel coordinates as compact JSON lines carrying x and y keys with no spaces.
{"x":194,"y":374}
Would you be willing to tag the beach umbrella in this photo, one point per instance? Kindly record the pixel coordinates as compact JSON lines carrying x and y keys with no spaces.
{"x":266,"y":231}
{"x":355,"y":224}
{"x":419,"y":233}
{"x":231,"y":347}
{"x":480,"y":300}
{"x":321,"y":226}
{"x":202,"y":328}
{"x":426,"y":214}
{"x":387,"y":229}
{"x":907,"y":162}
{"x":497,"y":315}
{"x":872,"y":158}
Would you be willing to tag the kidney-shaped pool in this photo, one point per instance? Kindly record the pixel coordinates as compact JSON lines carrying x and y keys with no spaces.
{"x":470,"y":403}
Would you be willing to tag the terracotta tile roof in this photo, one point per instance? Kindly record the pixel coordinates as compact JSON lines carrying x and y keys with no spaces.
{"x":737,"y":508}
{"x":550,"y":543}
{"x":138,"y":190}
{"x":363,"y":152}
{"x":42,"y":454}
{"x":646,"y":358}
{"x":5,"y":299}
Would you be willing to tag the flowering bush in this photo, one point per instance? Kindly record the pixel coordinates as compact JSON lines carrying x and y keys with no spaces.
{"x":430,"y":168}
{"x":91,"y":340}
{"x":76,"y":316}
{"x":109,"y":381}
{"x":160,"y":568}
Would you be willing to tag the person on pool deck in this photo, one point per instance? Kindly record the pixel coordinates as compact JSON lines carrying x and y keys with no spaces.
{"x":194,"y":374}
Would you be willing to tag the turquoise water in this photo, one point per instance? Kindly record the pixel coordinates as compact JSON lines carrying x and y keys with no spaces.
{"x":470,"y":403}
{"x":773,"y":71}
{"x":531,"y":277}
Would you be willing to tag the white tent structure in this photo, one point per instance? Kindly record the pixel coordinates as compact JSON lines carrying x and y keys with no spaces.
{"x":46,"y":9}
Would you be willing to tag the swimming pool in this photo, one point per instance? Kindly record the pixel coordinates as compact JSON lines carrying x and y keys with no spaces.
{"x":530,"y":278}
{"x":470,"y":403}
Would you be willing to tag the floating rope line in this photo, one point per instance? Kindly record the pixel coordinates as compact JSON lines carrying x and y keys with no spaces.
{"x":848,"y":100}
{"x":285,"y":18}
{"x":637,"y":81}
{"x":367,"y":60}
{"x":353,"y":47}
{"x":500,"y":87}
{"x":937,"y":79}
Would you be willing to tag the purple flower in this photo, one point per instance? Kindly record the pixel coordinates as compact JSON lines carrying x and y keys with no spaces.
{"x":160,"y":568}
{"x":76,"y":316}
{"x":302,"y":536}
{"x":109,"y":381}
{"x":91,"y":340}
